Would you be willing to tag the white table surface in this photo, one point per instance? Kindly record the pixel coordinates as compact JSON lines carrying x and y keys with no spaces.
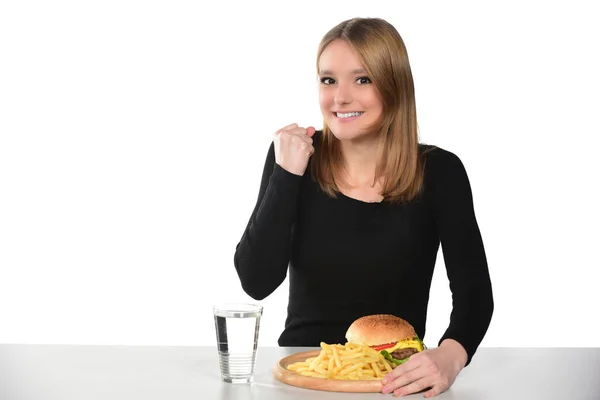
{"x":32,"y":372}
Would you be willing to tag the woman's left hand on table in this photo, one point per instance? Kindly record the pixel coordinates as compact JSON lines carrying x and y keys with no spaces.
{"x":435,"y":369}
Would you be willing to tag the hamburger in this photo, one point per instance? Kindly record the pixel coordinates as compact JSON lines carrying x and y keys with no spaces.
{"x":392,"y":336}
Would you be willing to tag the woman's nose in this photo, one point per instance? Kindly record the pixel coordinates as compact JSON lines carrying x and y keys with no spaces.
{"x":342,"y":95}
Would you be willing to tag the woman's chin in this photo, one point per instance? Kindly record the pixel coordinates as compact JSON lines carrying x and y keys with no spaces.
{"x":349,"y":135}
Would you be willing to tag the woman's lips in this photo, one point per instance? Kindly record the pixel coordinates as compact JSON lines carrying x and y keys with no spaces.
{"x":347,"y":119}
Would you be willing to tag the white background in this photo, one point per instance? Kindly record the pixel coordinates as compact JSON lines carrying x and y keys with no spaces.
{"x":133,"y":136}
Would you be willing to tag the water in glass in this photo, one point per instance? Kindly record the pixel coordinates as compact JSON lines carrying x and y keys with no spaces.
{"x":237,"y":327}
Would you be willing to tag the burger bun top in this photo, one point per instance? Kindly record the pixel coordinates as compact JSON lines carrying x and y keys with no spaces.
{"x":374,"y":330}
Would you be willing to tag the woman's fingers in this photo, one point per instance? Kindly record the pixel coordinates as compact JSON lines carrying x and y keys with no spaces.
{"x":302,"y":132}
{"x":293,"y":148}
{"x":294,"y":125}
{"x":401,"y":370}
{"x":415,"y":386}
{"x":396,"y":380}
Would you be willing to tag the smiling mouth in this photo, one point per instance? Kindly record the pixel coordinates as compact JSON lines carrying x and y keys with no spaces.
{"x":349,"y":114}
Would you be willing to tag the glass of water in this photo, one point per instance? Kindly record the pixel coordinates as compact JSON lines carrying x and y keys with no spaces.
{"x":237,"y":328}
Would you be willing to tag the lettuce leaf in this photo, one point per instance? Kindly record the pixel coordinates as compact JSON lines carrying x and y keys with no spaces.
{"x":397,"y":362}
{"x":392,"y":359}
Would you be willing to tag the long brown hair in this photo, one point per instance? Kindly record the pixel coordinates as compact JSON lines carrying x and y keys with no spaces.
{"x":382,"y":52}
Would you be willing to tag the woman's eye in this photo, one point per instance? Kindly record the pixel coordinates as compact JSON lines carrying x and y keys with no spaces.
{"x":327,"y":81}
{"x":363,"y":80}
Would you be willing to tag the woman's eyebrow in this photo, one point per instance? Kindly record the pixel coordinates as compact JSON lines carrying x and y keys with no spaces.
{"x":354,"y":71}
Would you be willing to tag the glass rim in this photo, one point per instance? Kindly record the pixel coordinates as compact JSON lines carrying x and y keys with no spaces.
{"x":237,"y":307}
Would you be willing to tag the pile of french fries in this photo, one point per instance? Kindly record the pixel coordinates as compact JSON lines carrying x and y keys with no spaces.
{"x":350,"y":361}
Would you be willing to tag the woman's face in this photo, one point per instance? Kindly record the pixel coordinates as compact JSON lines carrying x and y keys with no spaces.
{"x":349,"y":100}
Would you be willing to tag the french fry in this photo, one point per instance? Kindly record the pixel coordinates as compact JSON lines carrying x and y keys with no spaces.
{"x":316,"y":361}
{"x":387,"y":365}
{"x":376,"y":370}
{"x":351,"y":368}
{"x":330,"y":370}
{"x":321,"y":370}
{"x":336,"y":357}
{"x":367,"y":372}
{"x":351,"y":356}
{"x":313,"y":374}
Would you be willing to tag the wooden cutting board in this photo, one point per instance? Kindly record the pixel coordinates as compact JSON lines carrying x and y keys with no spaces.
{"x":288,"y":377}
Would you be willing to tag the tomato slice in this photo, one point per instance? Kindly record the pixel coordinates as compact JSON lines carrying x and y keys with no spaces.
{"x":383,"y":346}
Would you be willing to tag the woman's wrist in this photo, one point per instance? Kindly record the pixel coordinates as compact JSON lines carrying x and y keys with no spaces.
{"x":457,"y":351}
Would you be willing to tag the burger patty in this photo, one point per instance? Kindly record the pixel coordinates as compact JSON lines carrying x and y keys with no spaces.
{"x":401,"y":354}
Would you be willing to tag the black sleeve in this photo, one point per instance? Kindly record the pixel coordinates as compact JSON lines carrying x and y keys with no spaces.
{"x":463,"y":250}
{"x":262,"y":255}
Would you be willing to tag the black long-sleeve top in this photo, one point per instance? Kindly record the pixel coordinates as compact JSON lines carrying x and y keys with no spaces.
{"x":348,"y":258}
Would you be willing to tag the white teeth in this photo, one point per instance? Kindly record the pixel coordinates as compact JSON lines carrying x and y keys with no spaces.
{"x":348,"y":115}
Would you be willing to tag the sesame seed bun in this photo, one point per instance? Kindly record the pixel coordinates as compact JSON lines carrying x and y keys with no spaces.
{"x":374,"y":330}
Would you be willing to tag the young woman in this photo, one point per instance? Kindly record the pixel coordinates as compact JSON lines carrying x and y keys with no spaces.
{"x":356,"y":214}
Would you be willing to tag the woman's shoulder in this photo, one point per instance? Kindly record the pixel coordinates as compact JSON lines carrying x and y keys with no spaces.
{"x":440,"y":163}
{"x":437,"y":156}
